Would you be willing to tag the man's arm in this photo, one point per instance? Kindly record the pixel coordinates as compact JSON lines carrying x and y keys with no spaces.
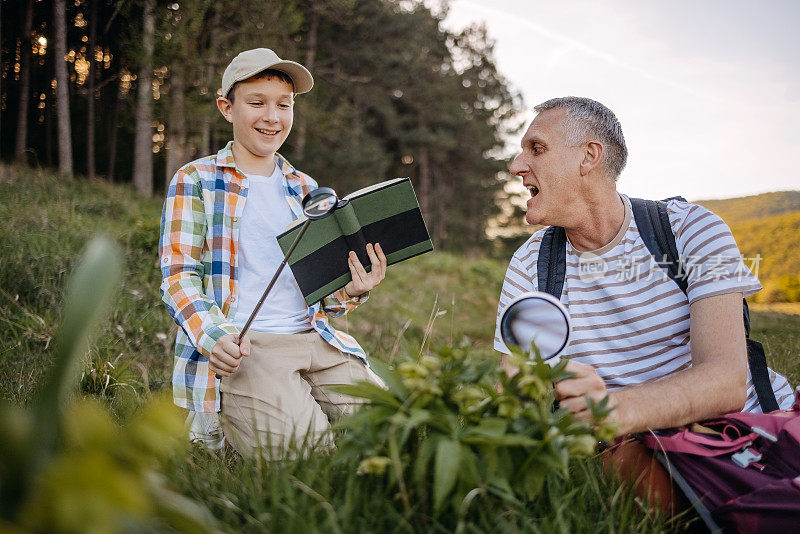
{"x":715,"y":384}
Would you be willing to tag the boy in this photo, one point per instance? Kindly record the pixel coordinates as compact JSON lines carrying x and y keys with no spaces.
{"x":217,"y":252}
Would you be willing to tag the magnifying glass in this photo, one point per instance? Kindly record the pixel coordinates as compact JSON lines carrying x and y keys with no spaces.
{"x":537,"y":318}
{"x":317,"y":204}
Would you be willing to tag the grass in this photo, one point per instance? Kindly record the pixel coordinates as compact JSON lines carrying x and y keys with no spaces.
{"x":319,"y":495}
{"x":780,"y":335}
{"x":46,"y":221}
{"x":434,"y":300}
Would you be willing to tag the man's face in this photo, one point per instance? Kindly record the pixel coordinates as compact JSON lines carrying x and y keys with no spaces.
{"x":549,"y":169}
{"x":262,"y":114}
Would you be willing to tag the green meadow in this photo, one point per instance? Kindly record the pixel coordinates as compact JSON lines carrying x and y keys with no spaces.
{"x":438,"y":304}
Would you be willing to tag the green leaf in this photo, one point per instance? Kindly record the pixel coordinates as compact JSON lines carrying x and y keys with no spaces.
{"x":390,"y":377}
{"x":89,"y":292}
{"x":448,"y":456}
{"x":179,"y":511}
{"x":468,"y":472}
{"x":491,"y":426}
{"x":533,"y":480}
{"x":410,"y":421}
{"x":424,"y":455}
{"x":506,"y":440}
{"x":368,"y":391}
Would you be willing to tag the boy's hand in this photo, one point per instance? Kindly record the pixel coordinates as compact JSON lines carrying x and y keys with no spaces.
{"x":362,"y":280}
{"x":227,"y":353}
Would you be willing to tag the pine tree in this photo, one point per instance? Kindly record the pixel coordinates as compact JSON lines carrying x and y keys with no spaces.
{"x":143,"y":141}
{"x":62,"y":88}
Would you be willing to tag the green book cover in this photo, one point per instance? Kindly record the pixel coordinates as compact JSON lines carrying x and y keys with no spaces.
{"x":387,"y":213}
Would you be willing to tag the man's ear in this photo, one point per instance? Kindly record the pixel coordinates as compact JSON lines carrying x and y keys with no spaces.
{"x":224,"y":105}
{"x":591,"y":157}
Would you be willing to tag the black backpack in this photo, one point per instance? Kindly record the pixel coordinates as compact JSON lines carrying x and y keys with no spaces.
{"x":652,"y":221}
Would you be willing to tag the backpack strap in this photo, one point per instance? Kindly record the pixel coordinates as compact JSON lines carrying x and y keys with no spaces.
{"x":757,"y":361}
{"x":652,"y":220}
{"x":551,"y":266}
{"x":759,"y":372}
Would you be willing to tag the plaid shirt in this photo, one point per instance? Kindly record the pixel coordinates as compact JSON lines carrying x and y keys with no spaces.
{"x":199,"y":241}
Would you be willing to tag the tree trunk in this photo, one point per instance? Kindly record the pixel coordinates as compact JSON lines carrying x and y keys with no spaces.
{"x":62,"y":87}
{"x":51,"y":120}
{"x":425,"y":186}
{"x":143,"y":143}
{"x":441,"y":207}
{"x":24,"y":86}
{"x":1,"y":62}
{"x":177,"y":146}
{"x":90,"y":113}
{"x":113,"y":128}
{"x":301,"y":133}
{"x":210,"y":80}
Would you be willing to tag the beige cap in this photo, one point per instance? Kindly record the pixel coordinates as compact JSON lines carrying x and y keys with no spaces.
{"x":251,"y":62}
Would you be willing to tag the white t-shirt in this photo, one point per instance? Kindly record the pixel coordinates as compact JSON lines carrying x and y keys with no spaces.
{"x":629,"y":320}
{"x":266,"y":214}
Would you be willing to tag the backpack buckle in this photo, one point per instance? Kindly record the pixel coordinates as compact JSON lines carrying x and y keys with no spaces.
{"x":764,"y":434}
{"x":746,"y":457}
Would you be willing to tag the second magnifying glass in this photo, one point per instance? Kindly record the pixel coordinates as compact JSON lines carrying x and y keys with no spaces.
{"x":537,"y":318}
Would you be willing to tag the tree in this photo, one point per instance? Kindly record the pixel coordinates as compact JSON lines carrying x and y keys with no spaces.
{"x":143,"y":141}
{"x":90,"y":94}
{"x":25,"y":85}
{"x":1,"y":56}
{"x":62,"y":87}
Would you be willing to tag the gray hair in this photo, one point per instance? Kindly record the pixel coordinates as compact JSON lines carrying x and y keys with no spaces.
{"x":589,"y":120}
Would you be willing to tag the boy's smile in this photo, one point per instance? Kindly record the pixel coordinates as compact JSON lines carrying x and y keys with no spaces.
{"x":262,"y":114}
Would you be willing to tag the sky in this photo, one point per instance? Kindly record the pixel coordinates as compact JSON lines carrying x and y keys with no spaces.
{"x":707,"y":91}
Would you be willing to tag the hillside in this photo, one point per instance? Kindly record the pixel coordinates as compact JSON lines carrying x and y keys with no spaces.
{"x":767,"y":225}
{"x":740,"y":209}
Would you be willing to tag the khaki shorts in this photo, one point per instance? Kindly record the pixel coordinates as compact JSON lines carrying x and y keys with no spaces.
{"x":278,"y":399}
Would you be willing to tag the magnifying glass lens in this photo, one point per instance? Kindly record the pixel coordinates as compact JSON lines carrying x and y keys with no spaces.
{"x":536,"y":318}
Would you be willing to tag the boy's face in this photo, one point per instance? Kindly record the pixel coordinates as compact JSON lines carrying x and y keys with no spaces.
{"x":262,"y":114}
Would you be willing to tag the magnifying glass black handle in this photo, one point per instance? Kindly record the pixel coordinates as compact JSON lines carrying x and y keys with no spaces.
{"x":271,"y":283}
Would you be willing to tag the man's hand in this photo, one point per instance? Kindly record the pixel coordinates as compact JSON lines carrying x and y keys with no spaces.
{"x":227,"y":353}
{"x":362,"y":280}
{"x":572,"y":392}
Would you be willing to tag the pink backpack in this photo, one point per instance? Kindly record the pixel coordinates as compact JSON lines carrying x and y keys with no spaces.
{"x":741,"y":471}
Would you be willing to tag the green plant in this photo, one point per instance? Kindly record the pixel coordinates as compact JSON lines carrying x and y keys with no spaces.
{"x":66,"y":465}
{"x":454,"y":422}
{"x":103,"y":378}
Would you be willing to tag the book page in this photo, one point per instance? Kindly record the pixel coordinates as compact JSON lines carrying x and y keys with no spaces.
{"x":294,"y":224}
{"x":363,"y":191}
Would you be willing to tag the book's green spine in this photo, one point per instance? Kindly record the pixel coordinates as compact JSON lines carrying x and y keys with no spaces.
{"x":351,"y":229}
{"x":346,"y":219}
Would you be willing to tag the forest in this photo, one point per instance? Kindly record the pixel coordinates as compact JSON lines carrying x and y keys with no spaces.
{"x":396,"y":94}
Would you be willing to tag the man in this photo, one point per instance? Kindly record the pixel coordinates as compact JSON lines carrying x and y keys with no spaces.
{"x":663,"y":359}
{"x":218,"y":250}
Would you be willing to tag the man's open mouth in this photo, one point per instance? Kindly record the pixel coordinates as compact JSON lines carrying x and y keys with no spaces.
{"x":267,"y":132}
{"x":533,"y":190}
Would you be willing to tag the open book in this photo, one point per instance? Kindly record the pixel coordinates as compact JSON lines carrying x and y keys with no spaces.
{"x":387,"y":213}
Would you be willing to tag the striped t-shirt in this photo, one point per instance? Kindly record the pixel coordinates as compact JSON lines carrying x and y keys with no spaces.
{"x":629,"y":320}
